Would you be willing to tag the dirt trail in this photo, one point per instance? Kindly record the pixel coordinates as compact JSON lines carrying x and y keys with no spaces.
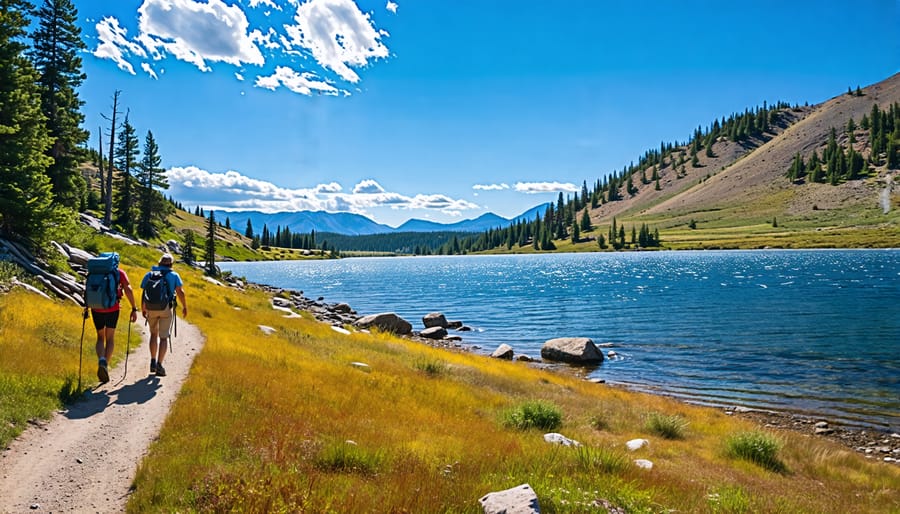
{"x":85,"y":458}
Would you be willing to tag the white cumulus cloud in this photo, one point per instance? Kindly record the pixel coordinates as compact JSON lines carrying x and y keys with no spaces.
{"x":490,"y":187}
{"x":197,"y":32}
{"x":545,"y":187}
{"x":368,"y":186}
{"x":321,"y":38}
{"x":337,"y":34}
{"x":234,"y":191}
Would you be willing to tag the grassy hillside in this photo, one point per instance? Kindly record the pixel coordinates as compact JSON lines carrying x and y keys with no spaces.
{"x":310,"y":420}
{"x":740,"y":198}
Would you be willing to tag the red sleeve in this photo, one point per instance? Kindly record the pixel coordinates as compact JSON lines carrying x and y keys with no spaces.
{"x":123,"y":279}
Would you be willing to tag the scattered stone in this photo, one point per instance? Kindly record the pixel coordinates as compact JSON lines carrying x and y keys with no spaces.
{"x":504,"y":351}
{"x":518,"y":500}
{"x":597,"y":381}
{"x":340,"y":330}
{"x":434,"y":333}
{"x":267,"y":330}
{"x":823,"y":431}
{"x":35,"y":506}
{"x":524,"y":358}
{"x":463,"y":328}
{"x":556,"y":438}
{"x":574,"y":350}
{"x":612,"y":354}
{"x":636,"y":444}
{"x":822,"y":424}
{"x":362,"y":366}
{"x":434,"y":319}
{"x":343,"y":308}
{"x":643,"y":463}
{"x":386,"y":321}
{"x":457,"y":325}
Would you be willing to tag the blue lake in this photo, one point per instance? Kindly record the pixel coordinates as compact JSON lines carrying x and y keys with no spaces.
{"x":810,"y":331}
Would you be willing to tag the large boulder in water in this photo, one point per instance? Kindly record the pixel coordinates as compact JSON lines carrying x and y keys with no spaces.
{"x":434,"y":319}
{"x":385,"y":321}
{"x":574,"y":350}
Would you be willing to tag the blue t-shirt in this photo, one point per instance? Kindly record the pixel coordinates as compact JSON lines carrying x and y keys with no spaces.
{"x":172,"y":278}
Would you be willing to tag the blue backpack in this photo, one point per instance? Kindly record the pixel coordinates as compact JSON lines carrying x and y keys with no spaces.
{"x":101,"y":290}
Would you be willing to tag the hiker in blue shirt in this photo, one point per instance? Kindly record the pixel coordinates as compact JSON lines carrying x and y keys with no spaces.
{"x":160,"y":287}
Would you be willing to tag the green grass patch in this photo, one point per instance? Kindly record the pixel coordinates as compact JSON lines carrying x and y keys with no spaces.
{"x":756,"y":447}
{"x":669,"y":427}
{"x":533,"y":414}
{"x":349,"y":457}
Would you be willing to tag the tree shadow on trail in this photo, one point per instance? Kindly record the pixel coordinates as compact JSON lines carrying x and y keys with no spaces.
{"x":141,"y":391}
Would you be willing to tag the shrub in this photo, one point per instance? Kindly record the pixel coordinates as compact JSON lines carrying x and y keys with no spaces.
{"x":348,"y":457}
{"x":431,"y":367}
{"x":756,"y":447}
{"x":669,"y":427}
{"x":533,"y":414}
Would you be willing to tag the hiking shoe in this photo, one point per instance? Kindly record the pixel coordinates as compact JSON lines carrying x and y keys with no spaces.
{"x":102,"y":373}
{"x":160,"y":370}
{"x":152,"y":365}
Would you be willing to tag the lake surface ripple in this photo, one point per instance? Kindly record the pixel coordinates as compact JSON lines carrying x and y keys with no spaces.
{"x":813,"y":331}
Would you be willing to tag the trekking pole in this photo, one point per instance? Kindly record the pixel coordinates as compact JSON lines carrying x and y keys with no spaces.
{"x":84,"y":317}
{"x":127,"y":351}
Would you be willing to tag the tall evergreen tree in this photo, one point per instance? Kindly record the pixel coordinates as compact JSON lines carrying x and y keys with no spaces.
{"x":210,"y":256}
{"x":187,"y":251}
{"x":26,"y":200}
{"x":126,"y":155}
{"x":55,"y":52}
{"x":152,"y":176}
{"x":249,"y":231}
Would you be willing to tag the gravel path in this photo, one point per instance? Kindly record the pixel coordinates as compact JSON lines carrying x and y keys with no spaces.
{"x":85,"y":458}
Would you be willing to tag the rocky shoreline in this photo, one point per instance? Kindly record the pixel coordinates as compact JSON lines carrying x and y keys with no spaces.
{"x":871,"y":443}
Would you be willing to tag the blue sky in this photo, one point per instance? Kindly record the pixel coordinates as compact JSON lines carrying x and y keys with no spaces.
{"x":446,"y":110}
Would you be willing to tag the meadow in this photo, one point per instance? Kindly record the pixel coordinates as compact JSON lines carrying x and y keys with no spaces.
{"x":307,"y":419}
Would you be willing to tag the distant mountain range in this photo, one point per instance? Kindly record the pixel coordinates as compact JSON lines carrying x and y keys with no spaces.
{"x":301,"y":222}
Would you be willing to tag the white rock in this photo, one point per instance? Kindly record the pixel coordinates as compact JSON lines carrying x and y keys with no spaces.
{"x":340,"y":330}
{"x":553,"y":437}
{"x":637,"y":444}
{"x":643,"y":464}
{"x":267,"y":330}
{"x":362,"y":366}
{"x":518,"y":500}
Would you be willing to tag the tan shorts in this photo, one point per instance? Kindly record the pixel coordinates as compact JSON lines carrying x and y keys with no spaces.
{"x":160,"y":321}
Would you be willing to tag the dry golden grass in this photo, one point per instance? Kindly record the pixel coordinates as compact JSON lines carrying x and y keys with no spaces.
{"x":287,"y":422}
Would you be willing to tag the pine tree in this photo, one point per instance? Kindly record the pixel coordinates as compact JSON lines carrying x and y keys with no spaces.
{"x":187,"y":251}
{"x":56,"y":49}
{"x":152,"y":177}
{"x":210,"y":257}
{"x":26,"y":199}
{"x":248,"y":232}
{"x":576,"y":233}
{"x":126,"y":154}
{"x":586,"y":221}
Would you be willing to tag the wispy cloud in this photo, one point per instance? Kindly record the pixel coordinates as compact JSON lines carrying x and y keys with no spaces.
{"x":149,"y":70}
{"x":319,"y":40}
{"x":490,"y":187}
{"x":115,"y":45}
{"x":391,"y":6}
{"x":233,"y":191}
{"x":304,"y":83}
{"x":545,"y":187}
